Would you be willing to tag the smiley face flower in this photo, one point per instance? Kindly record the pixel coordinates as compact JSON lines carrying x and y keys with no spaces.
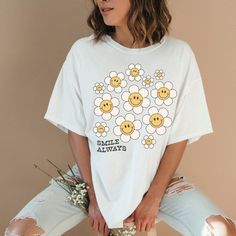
{"x":159,"y":74}
{"x":101,"y":129}
{"x":157,"y":120}
{"x":127,"y":127}
{"x":135,"y":99}
{"x":147,"y":81}
{"x":134,"y":72}
{"x":106,"y":106}
{"x":99,"y":88}
{"x":148,"y":141}
{"x":115,"y":81}
{"x":164,"y":93}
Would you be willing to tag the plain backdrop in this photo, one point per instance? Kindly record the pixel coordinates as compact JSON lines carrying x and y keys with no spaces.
{"x":35,"y":37}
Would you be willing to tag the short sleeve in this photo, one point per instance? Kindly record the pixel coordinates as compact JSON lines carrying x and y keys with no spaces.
{"x":192,"y":119}
{"x":65,"y":108}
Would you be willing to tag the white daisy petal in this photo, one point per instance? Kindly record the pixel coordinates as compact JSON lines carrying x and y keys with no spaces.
{"x":168,"y":85}
{"x":146,"y":119}
{"x":106,"y":96}
{"x":131,"y":78}
{"x":107,"y":80}
{"x":150,"y":129}
{"x":159,"y":84}
{"x":121,"y":75}
{"x":138,"y":66}
{"x":98,"y":101}
{"x":146,"y":102}
{"x":106,"y":116}
{"x":163,"y":112}
{"x":159,"y":101}
{"x":125,"y":96}
{"x":129,"y":117}
{"x":161,"y":130}
{"x":138,"y":110}
{"x":98,"y":111}
{"x":117,"y":130}
{"x":167,"y":121}
{"x":118,"y":89}
{"x":110,"y":88}
{"x":168,"y":101}
{"x":123,"y":83}
{"x":127,"y":72}
{"x":173,"y":93}
{"x":135,"y":134}
{"x":154,"y":93}
{"x":137,"y":124}
{"x":113,"y":73}
{"x":119,"y":120}
{"x":131,"y":66}
{"x":143,"y":92}
{"x":141,"y":72}
{"x":115,"y":101}
{"x":152,"y":110}
{"x":127,"y":106}
{"x":133,"y":89}
{"x":125,"y":138}
{"x":115,"y":111}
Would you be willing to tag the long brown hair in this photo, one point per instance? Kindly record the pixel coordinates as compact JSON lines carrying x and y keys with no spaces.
{"x":148,"y":21}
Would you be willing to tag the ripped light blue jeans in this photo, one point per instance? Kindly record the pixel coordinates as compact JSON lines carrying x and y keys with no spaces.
{"x":184,"y":207}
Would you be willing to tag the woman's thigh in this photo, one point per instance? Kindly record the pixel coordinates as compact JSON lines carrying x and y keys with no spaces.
{"x":51,"y":211}
{"x":188,"y":210}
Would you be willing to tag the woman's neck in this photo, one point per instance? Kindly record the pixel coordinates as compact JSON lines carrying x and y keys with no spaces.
{"x":123,"y":36}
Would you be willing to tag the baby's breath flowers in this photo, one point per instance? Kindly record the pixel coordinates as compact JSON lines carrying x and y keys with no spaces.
{"x":78,"y":196}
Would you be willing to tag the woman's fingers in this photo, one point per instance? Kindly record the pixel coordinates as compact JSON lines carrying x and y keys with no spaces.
{"x":101,"y":226}
{"x":106,"y":230}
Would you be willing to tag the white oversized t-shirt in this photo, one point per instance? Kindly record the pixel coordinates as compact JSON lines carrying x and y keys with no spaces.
{"x":130,"y":103}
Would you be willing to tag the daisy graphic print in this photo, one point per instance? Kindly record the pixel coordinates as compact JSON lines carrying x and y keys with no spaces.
{"x":133,"y":100}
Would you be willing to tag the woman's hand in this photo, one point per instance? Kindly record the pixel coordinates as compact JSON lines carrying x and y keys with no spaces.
{"x":145,"y":214}
{"x":96,"y":219}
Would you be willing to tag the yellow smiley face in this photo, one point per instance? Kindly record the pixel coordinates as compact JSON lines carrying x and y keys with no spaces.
{"x":156,"y":120}
{"x":127,"y":127}
{"x":163,"y":93}
{"x":148,"y":141}
{"x":148,"y":81}
{"x":115,"y":81}
{"x":106,"y":106}
{"x":99,"y":87}
{"x":100,"y":129}
{"x":135,"y":99}
{"x":134,"y":72}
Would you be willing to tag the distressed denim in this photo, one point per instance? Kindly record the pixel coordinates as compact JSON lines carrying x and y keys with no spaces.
{"x":183,"y":207}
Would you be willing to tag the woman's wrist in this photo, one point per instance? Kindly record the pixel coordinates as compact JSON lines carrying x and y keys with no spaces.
{"x":154,"y":197}
{"x":91,"y":192}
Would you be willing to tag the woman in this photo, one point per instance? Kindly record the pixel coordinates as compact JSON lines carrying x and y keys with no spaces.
{"x":130,"y":98}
